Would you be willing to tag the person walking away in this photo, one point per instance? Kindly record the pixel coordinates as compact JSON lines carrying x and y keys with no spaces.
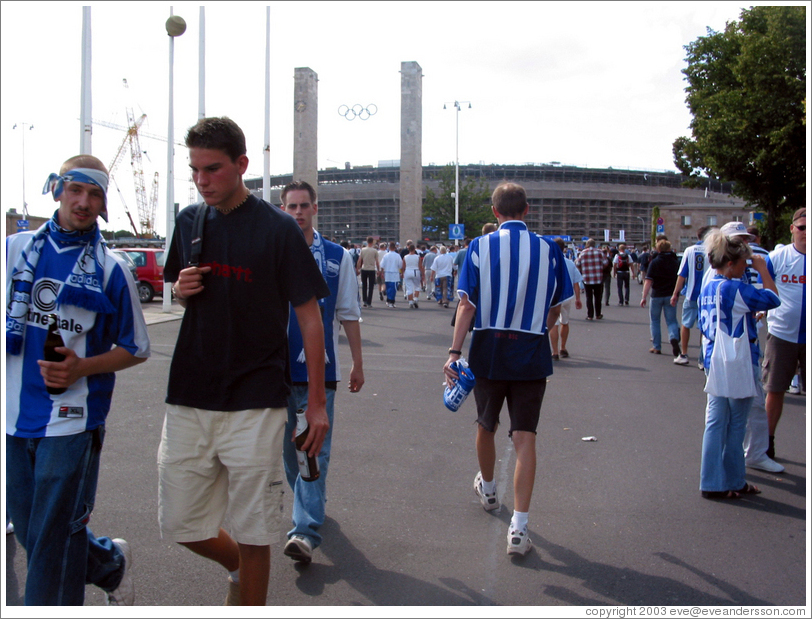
{"x":368,"y":266}
{"x":591,"y":262}
{"x":444,"y":277}
{"x":56,"y":411}
{"x":689,"y":284}
{"x":220,"y":456}
{"x":412,"y":276}
{"x":559,"y":334}
{"x":621,"y":267}
{"x":727,"y":306}
{"x":391,"y":266}
{"x":510,"y":351}
{"x":661,"y":278}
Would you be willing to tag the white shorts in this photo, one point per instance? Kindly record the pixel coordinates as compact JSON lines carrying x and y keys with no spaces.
{"x":411,"y":281}
{"x":218,"y":467}
{"x":564,"y":316}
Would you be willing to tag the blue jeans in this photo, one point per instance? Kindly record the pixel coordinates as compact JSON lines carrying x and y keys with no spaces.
{"x":50,"y":492}
{"x":658,"y":305}
{"x":309,"y":497}
{"x":722,"y":451}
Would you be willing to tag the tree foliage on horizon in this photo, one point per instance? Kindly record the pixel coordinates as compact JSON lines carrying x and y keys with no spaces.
{"x":746,"y":91}
{"x":475,"y":205}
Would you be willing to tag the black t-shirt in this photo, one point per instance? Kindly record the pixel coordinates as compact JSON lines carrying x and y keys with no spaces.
{"x":232,"y":349}
{"x":662,"y":271}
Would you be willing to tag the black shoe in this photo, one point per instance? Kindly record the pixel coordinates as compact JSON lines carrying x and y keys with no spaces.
{"x":771,"y":449}
{"x":675,"y":348}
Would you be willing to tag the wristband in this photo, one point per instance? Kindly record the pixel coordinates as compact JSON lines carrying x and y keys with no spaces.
{"x":451,"y":351}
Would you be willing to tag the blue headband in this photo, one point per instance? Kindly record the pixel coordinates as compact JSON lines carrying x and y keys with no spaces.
{"x":56,"y":183}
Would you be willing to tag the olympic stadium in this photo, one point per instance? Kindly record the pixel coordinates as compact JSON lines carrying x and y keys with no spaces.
{"x":356,"y":202}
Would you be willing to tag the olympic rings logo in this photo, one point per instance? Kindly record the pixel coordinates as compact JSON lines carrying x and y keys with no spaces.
{"x":357,"y":110}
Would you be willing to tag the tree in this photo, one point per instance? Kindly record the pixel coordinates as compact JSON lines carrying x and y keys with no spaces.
{"x":746,"y":91}
{"x":475,"y":201}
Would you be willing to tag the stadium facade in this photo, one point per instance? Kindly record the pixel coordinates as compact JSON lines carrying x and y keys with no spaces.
{"x":361,"y":201}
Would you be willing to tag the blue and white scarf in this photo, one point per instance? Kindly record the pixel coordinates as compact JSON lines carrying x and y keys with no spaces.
{"x":83,"y":288}
{"x":56,"y":183}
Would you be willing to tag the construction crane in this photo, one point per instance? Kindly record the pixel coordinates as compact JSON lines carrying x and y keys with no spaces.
{"x":146,"y":207}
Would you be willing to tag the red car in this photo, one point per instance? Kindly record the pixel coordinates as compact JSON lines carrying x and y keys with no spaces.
{"x":149,"y":263}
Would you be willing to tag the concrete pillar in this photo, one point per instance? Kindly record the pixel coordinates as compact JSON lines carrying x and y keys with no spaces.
{"x":305,"y":128}
{"x":411,"y":152}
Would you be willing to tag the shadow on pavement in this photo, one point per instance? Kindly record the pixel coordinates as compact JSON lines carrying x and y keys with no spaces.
{"x":626,"y":586}
{"x":379,"y":587}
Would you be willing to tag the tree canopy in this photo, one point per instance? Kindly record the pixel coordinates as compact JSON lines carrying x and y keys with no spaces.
{"x":746,"y":92}
{"x":475,"y":205}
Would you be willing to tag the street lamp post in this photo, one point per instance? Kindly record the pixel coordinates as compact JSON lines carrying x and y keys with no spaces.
{"x":175,"y":26}
{"x":457,"y":105}
{"x":23,"y":126}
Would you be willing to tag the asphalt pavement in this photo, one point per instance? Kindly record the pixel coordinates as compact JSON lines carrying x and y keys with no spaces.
{"x":615,"y":521}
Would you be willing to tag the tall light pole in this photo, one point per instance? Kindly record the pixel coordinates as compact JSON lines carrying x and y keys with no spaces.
{"x":175,"y":26}
{"x":457,"y":105}
{"x":23,"y":126}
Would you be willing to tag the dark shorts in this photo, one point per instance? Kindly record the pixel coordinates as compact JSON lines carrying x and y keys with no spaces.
{"x":781,"y":359}
{"x":524,"y":399}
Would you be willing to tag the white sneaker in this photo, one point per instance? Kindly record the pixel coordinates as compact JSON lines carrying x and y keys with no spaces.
{"x":124,"y":595}
{"x":9,"y":528}
{"x":765,"y":463}
{"x":681,"y":360}
{"x":300,"y":549}
{"x":518,"y":542}
{"x":489,"y":501}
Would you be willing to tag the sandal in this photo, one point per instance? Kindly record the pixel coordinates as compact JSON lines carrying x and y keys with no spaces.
{"x":721,"y":494}
{"x":564,"y":353}
{"x":748,"y":489}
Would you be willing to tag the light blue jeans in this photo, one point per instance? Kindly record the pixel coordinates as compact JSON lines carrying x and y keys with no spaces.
{"x":662,"y":305}
{"x":50,"y":492}
{"x":309,"y":497}
{"x":722,"y":451}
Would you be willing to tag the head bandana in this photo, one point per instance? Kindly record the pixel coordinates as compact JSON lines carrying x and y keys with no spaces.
{"x":56,"y":183}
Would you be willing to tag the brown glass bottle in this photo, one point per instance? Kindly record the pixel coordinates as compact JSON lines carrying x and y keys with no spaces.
{"x":53,"y":341}
{"x":308,"y":465}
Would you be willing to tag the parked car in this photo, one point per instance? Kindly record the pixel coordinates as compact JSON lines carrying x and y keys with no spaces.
{"x":149,"y":263}
{"x":130,"y":263}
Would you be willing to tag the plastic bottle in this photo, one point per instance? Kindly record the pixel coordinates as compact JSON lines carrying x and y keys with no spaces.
{"x":308,"y":465}
{"x":455,"y":394}
{"x":52,"y":341}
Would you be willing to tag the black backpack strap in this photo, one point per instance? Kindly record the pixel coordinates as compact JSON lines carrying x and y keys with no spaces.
{"x":197,"y":234}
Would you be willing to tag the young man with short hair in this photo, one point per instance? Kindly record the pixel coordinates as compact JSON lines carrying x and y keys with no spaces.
{"x":510,"y":350}
{"x":785,"y":349}
{"x":221,"y":447}
{"x":54,"y":440}
{"x":299,"y":200}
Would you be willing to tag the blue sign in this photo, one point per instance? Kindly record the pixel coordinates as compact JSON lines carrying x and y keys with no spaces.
{"x":660,"y":229}
{"x":456,"y":231}
{"x":564,"y":237}
{"x":22,"y":224}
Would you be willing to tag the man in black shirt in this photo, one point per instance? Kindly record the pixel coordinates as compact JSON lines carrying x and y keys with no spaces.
{"x":221,"y":448}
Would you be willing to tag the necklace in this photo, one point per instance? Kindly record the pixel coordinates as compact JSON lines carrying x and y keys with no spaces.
{"x":226,"y":211}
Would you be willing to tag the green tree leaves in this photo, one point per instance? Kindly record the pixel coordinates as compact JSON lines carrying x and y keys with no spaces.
{"x":475,"y":205}
{"x":746,"y":91}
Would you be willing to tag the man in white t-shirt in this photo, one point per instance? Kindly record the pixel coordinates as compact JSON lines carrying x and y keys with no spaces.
{"x":786,"y":325}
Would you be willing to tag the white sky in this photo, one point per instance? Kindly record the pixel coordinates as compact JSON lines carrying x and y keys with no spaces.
{"x":588,"y":84}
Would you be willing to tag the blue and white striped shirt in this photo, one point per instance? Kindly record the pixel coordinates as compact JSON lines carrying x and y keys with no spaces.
{"x":692,"y":268}
{"x":513,"y":277}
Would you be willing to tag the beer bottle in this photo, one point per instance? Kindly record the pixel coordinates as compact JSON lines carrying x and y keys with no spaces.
{"x":308,"y":465}
{"x":52,"y":341}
